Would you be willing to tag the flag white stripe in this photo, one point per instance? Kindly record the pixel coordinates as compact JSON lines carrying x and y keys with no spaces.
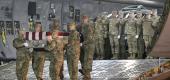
{"x":44,"y":37}
{"x":30,"y":36}
{"x":36,"y":35}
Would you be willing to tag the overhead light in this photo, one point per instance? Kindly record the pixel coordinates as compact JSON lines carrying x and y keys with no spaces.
{"x":147,"y":1}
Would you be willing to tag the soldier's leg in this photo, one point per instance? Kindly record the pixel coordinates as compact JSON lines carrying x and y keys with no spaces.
{"x":146,"y":40}
{"x":55,"y":69}
{"x":97,"y":47}
{"x":88,"y":60}
{"x":61,"y":71}
{"x":101,"y":48}
{"x":38,"y":61}
{"x":19,"y":66}
{"x":111,"y":37}
{"x":116,"y":47}
{"x":134,"y":47}
{"x":130,"y":46}
{"x":25,"y":67}
{"x":82,"y":56}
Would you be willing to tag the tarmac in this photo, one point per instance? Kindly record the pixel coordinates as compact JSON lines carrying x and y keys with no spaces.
{"x":102,"y":69}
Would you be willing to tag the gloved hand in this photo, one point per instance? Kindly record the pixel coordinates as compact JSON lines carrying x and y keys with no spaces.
{"x":118,"y":36}
{"x":137,"y":36}
{"x":30,"y":50}
{"x":26,"y":44}
{"x":81,"y":44}
{"x":125,"y":37}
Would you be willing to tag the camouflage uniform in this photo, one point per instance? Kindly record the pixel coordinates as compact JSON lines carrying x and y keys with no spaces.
{"x":131,"y":32}
{"x":56,"y":48}
{"x":148,"y":33}
{"x":89,"y":47}
{"x":156,"y":27}
{"x":99,"y":40}
{"x":113,"y":35}
{"x":122,"y":42}
{"x":22,"y":60}
{"x":140,"y":41}
{"x":73,"y":54}
{"x":38,"y":59}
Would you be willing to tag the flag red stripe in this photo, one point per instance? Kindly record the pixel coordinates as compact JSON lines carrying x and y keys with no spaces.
{"x":33,"y":35}
{"x":27,"y":35}
{"x":40,"y":36}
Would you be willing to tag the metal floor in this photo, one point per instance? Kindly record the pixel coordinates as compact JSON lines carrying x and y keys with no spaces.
{"x":102,"y":69}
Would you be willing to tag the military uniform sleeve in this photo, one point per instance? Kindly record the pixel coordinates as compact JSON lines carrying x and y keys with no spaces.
{"x":50,"y":46}
{"x":17,"y":44}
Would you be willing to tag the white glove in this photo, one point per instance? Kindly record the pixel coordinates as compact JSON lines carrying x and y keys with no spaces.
{"x":30,"y":49}
{"x":125,"y":37}
{"x":26,"y":44}
{"x":118,"y":36}
{"x":137,"y":36}
{"x":81,"y":44}
{"x":43,"y":45}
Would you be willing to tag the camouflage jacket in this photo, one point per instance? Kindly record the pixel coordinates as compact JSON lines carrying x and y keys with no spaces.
{"x":88,"y":33}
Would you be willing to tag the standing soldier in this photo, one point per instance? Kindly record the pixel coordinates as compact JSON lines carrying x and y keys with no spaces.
{"x":73,"y":51}
{"x":131,"y":32}
{"x":121,"y":36}
{"x":148,"y":31}
{"x":56,"y":47}
{"x":88,"y":48}
{"x":113,"y":34}
{"x":140,"y":41}
{"x":38,"y":55}
{"x":156,"y":26}
{"x":105,"y":31}
{"x":99,"y":40}
{"x":23,"y":56}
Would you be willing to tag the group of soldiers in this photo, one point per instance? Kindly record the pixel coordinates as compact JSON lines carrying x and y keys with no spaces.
{"x":131,"y":34}
{"x":55,"y":49}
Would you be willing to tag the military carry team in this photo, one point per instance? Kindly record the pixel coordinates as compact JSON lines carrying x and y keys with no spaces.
{"x":130,"y":36}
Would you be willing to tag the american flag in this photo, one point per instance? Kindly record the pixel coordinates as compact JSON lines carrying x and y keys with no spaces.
{"x":42,"y":35}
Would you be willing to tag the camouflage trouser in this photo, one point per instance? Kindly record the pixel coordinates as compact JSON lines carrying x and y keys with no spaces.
{"x":132,"y":46}
{"x":141,"y":48}
{"x":22,"y":65}
{"x":87,"y":60}
{"x":72,"y":62}
{"x":38,"y":60}
{"x":114,"y":41}
{"x":99,"y":46}
{"x":55,"y":69}
{"x":147,"y":40}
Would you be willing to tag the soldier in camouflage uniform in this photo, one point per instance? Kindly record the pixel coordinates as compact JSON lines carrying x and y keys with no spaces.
{"x":56,"y":48}
{"x":38,"y":55}
{"x":148,"y":31}
{"x":156,"y":26}
{"x":131,"y":35}
{"x":113,"y":34}
{"x":88,"y":46}
{"x":139,"y":37}
{"x":73,"y":51}
{"x":122,"y":42}
{"x":99,"y":40}
{"x":23,"y":57}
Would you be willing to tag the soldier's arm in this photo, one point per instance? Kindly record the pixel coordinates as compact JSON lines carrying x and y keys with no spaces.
{"x":17,"y":44}
{"x":50,"y":46}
